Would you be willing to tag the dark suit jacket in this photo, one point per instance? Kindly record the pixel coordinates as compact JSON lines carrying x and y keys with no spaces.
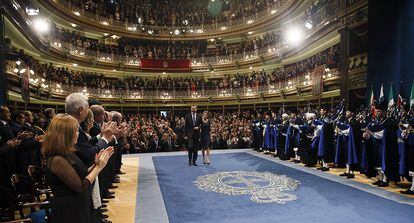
{"x":189,"y":126}
{"x":7,"y":160}
{"x":86,"y":150}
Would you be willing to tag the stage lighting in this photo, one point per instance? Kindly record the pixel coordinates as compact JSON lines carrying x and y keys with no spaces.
{"x":294,"y":35}
{"x":41,"y":25}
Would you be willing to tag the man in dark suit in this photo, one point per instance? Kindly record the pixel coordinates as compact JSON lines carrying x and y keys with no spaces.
{"x":8,"y":146}
{"x":192,"y":134}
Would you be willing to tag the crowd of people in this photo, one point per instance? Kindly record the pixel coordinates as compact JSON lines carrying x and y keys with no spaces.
{"x":175,"y":13}
{"x":156,"y":133}
{"x":254,"y":79}
{"x":151,"y":49}
{"x":81,"y":149}
{"x":376,"y":141}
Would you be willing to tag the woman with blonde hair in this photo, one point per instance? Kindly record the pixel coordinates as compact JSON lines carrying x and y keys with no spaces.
{"x":70,"y":180}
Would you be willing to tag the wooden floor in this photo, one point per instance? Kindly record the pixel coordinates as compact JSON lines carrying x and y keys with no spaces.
{"x":122,"y":208}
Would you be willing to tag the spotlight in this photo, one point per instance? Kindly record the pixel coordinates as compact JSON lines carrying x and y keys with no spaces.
{"x":41,"y":25}
{"x":294,"y":35}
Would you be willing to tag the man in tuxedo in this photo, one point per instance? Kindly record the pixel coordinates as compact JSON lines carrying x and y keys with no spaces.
{"x":192,"y":134}
{"x":8,"y":146}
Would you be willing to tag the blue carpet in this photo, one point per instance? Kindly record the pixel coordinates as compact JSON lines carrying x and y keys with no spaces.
{"x":318,"y":199}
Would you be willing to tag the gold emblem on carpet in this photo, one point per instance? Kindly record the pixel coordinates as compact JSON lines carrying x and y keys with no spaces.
{"x":264,"y":187}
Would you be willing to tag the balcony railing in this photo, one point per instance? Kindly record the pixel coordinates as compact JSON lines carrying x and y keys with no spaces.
{"x":292,"y":84}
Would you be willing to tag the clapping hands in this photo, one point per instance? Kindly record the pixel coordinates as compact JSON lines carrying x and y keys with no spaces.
{"x":101,"y":159}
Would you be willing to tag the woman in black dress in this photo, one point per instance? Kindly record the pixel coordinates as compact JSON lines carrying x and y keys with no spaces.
{"x":69,"y":179}
{"x":205,"y":138}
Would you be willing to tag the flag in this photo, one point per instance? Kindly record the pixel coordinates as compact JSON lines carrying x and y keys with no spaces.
{"x":381,"y":95}
{"x":371,"y":103}
{"x":391,"y":97}
{"x":401,"y":97}
{"x":412,"y":96}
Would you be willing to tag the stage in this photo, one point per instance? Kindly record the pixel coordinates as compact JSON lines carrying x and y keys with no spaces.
{"x":246,"y":186}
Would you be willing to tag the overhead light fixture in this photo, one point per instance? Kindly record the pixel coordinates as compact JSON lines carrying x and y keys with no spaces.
{"x":41,"y":25}
{"x":114,"y":70}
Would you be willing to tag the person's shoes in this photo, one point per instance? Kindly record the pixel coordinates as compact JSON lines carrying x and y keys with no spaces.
{"x":117,"y":181}
{"x":297,"y":161}
{"x":195,"y":164}
{"x":320,"y":168}
{"x":106,"y":221}
{"x":345,"y":174}
{"x":107,"y":196}
{"x":208,"y":163}
{"x":104,"y":202}
{"x":120,"y":172}
{"x":204,"y":162}
{"x":104,"y":216}
{"x":104,"y":206}
{"x":383,"y":184}
{"x":325,"y":169}
{"x":377,"y":182}
{"x":350,"y":176}
{"x":408,"y":191}
{"x":112,"y":187}
{"x":103,"y":210}
{"x":189,"y":163}
{"x":111,"y":193}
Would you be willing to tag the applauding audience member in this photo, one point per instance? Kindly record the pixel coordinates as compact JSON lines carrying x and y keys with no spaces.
{"x":69,"y":178}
